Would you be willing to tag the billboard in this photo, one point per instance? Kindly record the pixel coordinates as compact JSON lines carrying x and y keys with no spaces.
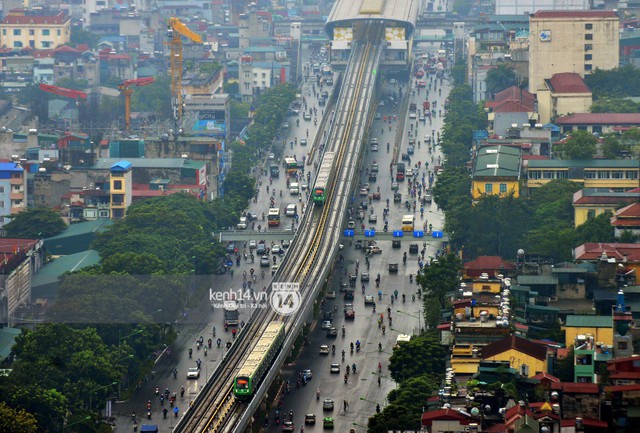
{"x":210,"y":123}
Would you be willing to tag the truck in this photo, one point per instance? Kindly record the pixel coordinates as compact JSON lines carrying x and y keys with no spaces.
{"x":426,"y":106}
{"x":231,"y":313}
{"x":413,"y":107}
{"x":400,"y":171}
{"x":274,"y":170}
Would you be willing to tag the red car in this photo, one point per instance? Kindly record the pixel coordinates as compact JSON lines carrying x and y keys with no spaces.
{"x":349,"y":315}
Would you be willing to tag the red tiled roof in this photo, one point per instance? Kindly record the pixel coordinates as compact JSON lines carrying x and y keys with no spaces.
{"x":513,"y":99}
{"x":599,"y":119}
{"x":26,"y":20}
{"x":619,"y":360}
{"x":622,"y":388}
{"x":444,"y":414}
{"x":13,"y":245}
{"x":444,"y":327}
{"x":625,"y":375}
{"x":574,"y":14}
{"x":568,"y":82}
{"x":496,"y":428}
{"x":66,"y":49}
{"x":546,"y":376}
{"x":577,"y":388}
{"x":527,"y":347}
{"x":491,"y":263}
{"x":589,"y":422}
{"x":580,"y":198}
{"x":631,"y":211}
{"x":512,"y":107}
{"x":594,"y":250}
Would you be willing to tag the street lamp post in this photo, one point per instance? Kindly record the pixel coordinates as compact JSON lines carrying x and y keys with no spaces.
{"x":415,"y":317}
{"x":372,"y":402}
{"x":98,"y":389}
{"x":375,"y":373}
{"x":86,"y":418}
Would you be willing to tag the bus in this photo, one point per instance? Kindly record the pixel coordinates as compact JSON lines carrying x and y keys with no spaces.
{"x":230,"y":313}
{"x":291,"y":165}
{"x":274,"y":217}
{"x":407,"y":223}
{"x":322,"y":180}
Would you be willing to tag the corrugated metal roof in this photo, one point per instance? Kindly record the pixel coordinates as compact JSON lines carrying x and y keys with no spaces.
{"x":497,"y":161}
{"x":585,"y":321}
{"x":583,"y":163}
{"x":50,"y":272}
{"x":81,"y":228}
{"x":106,"y":163}
{"x":398,"y":12}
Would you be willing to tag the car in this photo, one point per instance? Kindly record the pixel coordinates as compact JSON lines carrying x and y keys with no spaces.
{"x":394,"y":186}
{"x":324,"y":350}
{"x":347,"y":306}
{"x":349,"y":295}
{"x":368,"y":300}
{"x":231,"y":248}
{"x":396,"y":244}
{"x":291,"y":210}
{"x":412,"y":115}
{"x":307,"y":374}
{"x":322,"y":102}
{"x":303,"y":142}
{"x":335,"y":368}
{"x":373,"y":218}
{"x":397,"y":197}
{"x":351,"y":224}
{"x":377,"y":116}
{"x":350,"y":315}
{"x":331,"y":294}
{"x":252,"y":216}
{"x":326,"y":324}
{"x":376,"y":195}
{"x":327,"y":422}
{"x":409,"y":172}
{"x":374,"y":168}
{"x":276,"y":249}
{"x":272,"y":156}
{"x":332,"y":332}
{"x":411,"y":150}
{"x":325,"y":94}
{"x":288,"y":426}
{"x":274,"y":269}
{"x":286,"y":243}
{"x":374,"y":249}
{"x":285,"y":125}
{"x":358,"y":244}
{"x":374,"y":147}
{"x":262,"y":249}
{"x":405,"y":157}
{"x":421,"y":118}
{"x":253,"y":244}
{"x":364,"y":277}
{"x":413,"y":248}
{"x":327,"y":403}
{"x":364,"y":192}
{"x":265,"y":262}
{"x":193,"y":373}
{"x":366,"y":186}
{"x":304,"y":186}
{"x":393,"y":268}
{"x":328,"y":315}
{"x":307,"y":116}
{"x":309,"y":419}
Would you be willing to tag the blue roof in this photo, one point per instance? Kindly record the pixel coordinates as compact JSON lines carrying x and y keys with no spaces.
{"x":121,"y":165}
{"x":10,"y":166}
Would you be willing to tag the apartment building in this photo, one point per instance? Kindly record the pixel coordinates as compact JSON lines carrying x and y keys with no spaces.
{"x":38,"y":29}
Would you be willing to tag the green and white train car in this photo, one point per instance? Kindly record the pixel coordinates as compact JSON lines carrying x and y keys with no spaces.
{"x":259,"y":360}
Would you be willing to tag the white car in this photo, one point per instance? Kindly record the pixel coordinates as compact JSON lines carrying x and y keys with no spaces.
{"x":253,"y":244}
{"x":324,"y":350}
{"x":242,"y":225}
{"x":193,"y":373}
{"x":276,"y":250}
{"x":364,"y":192}
{"x":374,"y":147}
{"x":326,"y":324}
{"x":335,"y":368}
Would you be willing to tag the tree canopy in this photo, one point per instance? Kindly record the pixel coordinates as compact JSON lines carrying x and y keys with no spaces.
{"x":579,"y":145}
{"x":500,"y":78}
{"x":440,"y":278}
{"x":614,"y":83}
{"x":35,"y":222}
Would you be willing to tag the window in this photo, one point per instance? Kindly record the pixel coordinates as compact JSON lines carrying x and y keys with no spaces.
{"x":32,"y":32}
{"x":631,"y":174}
{"x":503,"y":187}
{"x":117,"y":184}
{"x":46,"y":44}
{"x":588,"y":37}
{"x":488,"y":188}
{"x":622,"y":345}
{"x":46,"y":32}
{"x":588,"y":57}
{"x":17,"y":32}
{"x":589,"y":174}
{"x":247,"y":75}
{"x":588,"y":26}
{"x":1,"y":189}
{"x":58,"y":32}
{"x":588,"y":67}
{"x":17,"y":44}
{"x":603,"y":174}
{"x":1,"y":204}
{"x":264,"y":75}
{"x":591,"y":214}
{"x":617,"y":175}
{"x":562,"y":175}
{"x":4,"y":32}
{"x":588,"y":47}
{"x":548,"y":174}
{"x":247,"y":86}
{"x":535,"y":174}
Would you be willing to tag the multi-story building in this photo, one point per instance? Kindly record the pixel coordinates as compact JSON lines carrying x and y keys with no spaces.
{"x":121,"y":186}
{"x":496,"y":171}
{"x":520,"y":7}
{"x":38,"y":29}
{"x":600,"y":123}
{"x":614,"y":174}
{"x":571,"y":41}
{"x":13,"y":190}
{"x":563,"y":93}
{"x":588,"y":203}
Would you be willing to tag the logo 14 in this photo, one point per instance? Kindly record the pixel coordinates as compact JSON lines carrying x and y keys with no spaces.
{"x":285,"y":298}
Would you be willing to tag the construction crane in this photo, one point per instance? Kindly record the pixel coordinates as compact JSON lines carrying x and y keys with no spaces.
{"x":175,"y":30}
{"x":127,"y":91}
{"x":61,"y":91}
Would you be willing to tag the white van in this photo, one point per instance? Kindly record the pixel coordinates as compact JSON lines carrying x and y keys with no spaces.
{"x":242,"y":225}
{"x":294,"y":188}
{"x":291,"y":210}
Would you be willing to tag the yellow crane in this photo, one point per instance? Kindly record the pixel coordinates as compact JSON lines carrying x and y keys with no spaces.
{"x":175,"y":31}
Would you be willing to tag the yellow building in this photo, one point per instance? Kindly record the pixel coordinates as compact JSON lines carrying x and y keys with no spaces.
{"x":121,"y":184}
{"x":496,"y":171}
{"x":571,"y":41}
{"x":527,"y":357}
{"x":588,"y":203}
{"x":598,"y":327}
{"x":562,"y":94}
{"x":38,"y":29}
{"x":613,"y":174}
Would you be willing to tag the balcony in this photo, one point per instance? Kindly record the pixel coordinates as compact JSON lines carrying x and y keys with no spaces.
{"x":17,"y":195}
{"x":16,"y":181}
{"x":118,"y":204}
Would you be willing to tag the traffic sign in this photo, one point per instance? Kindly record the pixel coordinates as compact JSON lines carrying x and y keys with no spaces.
{"x":369,"y":233}
{"x":398,"y":233}
{"x":349,"y":233}
{"x":437,"y":234}
{"x":418,"y":233}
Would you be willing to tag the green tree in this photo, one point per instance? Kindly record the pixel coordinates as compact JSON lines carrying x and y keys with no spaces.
{"x":424,"y":354}
{"x":614,"y":83}
{"x":35,"y":222}
{"x":154,"y":97}
{"x":563,"y":368}
{"x":614,"y":105}
{"x":580,"y":145}
{"x":440,"y":278}
{"x":82,"y":36}
{"x":459,"y":73}
{"x":500,"y":78}
{"x":16,"y":420}
{"x":597,"y":229}
{"x":48,"y":406}
{"x":452,"y":184}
